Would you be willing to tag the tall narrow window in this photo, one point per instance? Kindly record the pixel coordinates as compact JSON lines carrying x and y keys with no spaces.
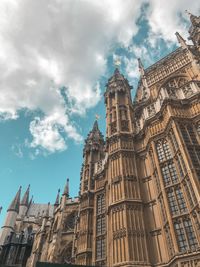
{"x":169,"y":173}
{"x":163,"y":150}
{"x":190,"y":234}
{"x":100,"y":249}
{"x":186,"y":237}
{"x":180,"y":200}
{"x":100,"y":204}
{"x":193,"y":147}
{"x":176,"y":201}
{"x":181,"y":238}
{"x":172,"y":203}
{"x":100,"y":227}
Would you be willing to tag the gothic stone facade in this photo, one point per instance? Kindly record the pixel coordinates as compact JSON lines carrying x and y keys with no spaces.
{"x":139,"y":201}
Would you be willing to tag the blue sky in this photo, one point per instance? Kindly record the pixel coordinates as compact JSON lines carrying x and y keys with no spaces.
{"x":55,"y":59}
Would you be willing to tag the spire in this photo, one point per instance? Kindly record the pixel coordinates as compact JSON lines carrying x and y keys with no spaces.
{"x":193,"y":18}
{"x":66,"y":189}
{"x":116,"y":72}
{"x":25,"y":199}
{"x":95,"y":126}
{"x":181,"y":41}
{"x":141,"y":67}
{"x":14,"y":206}
{"x":1,"y":209}
{"x":94,"y":138}
{"x":57,"y":202}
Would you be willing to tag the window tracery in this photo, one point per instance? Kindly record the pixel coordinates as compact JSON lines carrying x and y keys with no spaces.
{"x":163,"y":150}
{"x":173,"y":84}
{"x":70,"y":221}
{"x":100,"y":228}
{"x":190,"y":138}
{"x":176,"y":201}
{"x":151,"y":110}
{"x":185,"y":235}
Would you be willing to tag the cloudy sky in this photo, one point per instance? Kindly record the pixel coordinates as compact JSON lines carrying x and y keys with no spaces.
{"x":55,"y":59}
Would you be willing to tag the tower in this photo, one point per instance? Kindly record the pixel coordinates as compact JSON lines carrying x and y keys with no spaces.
{"x":194,"y":30}
{"x":11,"y":216}
{"x":93,"y":152}
{"x":126,"y":234}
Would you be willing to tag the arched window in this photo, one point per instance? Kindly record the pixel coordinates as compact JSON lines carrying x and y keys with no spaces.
{"x":70,"y":221}
{"x":163,"y":150}
{"x":66,"y":255}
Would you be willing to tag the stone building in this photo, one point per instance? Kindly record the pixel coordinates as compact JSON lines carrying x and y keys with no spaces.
{"x":139,"y":201}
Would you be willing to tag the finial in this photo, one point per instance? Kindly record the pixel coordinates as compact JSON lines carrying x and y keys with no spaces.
{"x":117,"y":63}
{"x":141,"y":67}
{"x":97,"y":116}
{"x":95,"y":126}
{"x":181,"y":41}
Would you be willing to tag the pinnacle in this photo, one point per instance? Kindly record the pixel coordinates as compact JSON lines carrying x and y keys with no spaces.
{"x":192,"y":17}
{"x":141,"y":67}
{"x":14,"y":206}
{"x":25,"y":199}
{"x":57,"y":198}
{"x":95,"y":126}
{"x":66,"y":189}
{"x":116,"y":71}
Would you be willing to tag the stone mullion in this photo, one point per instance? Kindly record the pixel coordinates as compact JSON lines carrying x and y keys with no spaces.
{"x":130,"y":214}
{"x":112,"y":241}
{"x":167,"y":209}
{"x":127,"y":254}
{"x":141,"y":230}
{"x":108,"y":112}
{"x":117,"y":112}
{"x":129,"y":111}
{"x":133,"y":211}
{"x":144,"y":239}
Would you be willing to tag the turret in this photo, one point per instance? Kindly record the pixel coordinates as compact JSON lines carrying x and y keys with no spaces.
{"x":118,"y":105}
{"x":181,"y":41}
{"x":11,"y":216}
{"x":93,"y":152}
{"x":57,"y":201}
{"x":144,"y":84}
{"x":65,"y":194}
{"x":24,"y":203}
{"x":194,"y":30}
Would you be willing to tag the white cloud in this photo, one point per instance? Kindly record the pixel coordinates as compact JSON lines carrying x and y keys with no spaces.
{"x":166,"y":17}
{"x":45,"y":45}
